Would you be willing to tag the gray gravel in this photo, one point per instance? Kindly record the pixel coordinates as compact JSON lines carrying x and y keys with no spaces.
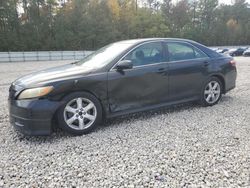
{"x":183,"y":146}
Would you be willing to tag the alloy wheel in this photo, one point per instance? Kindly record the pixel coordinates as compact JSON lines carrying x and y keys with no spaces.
{"x":80,"y":113}
{"x":212,"y":92}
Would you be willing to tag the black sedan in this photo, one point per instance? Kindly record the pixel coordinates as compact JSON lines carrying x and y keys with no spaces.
{"x":237,"y":52}
{"x":120,"y":78}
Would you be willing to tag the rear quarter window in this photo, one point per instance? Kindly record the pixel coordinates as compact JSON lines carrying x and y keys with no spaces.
{"x":209,"y":52}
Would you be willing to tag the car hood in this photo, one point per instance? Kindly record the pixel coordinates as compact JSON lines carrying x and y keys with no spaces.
{"x":59,"y":73}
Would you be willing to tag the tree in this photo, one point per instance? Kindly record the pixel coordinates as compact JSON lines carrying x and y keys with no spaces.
{"x":90,"y":24}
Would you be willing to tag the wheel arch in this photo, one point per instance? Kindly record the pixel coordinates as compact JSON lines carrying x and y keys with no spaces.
{"x":102,"y":103}
{"x":222,"y":79}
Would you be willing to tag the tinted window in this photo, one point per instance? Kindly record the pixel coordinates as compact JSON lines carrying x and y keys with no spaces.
{"x":146,"y":54}
{"x":105,"y":55}
{"x":182,"y":51}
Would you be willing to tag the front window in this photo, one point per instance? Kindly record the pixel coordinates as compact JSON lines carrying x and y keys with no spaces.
{"x":146,"y":54}
{"x":105,"y":55}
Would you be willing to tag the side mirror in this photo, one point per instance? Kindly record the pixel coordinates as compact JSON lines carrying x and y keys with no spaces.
{"x":125,"y":64}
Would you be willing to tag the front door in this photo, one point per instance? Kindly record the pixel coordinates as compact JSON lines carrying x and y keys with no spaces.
{"x":143,"y":85}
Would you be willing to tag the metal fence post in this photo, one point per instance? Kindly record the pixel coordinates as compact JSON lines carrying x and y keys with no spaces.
{"x":9,"y":56}
{"x":23,"y":57}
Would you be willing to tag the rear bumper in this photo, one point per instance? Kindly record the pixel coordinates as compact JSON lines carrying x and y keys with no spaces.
{"x":230,"y":80}
{"x":32,"y":117}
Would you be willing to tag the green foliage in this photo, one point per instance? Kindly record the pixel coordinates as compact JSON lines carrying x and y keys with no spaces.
{"x":90,"y":24}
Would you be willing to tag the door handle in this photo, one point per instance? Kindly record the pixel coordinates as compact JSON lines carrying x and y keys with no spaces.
{"x":206,"y":63}
{"x":160,"y":70}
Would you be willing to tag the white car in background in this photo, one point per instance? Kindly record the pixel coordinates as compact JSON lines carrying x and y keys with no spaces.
{"x":247,"y":52}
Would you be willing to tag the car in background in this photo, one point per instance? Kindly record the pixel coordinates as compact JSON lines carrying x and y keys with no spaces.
{"x":237,"y":52}
{"x":222,"y":50}
{"x":247,"y":53}
{"x":214,"y":49}
{"x":120,"y":78}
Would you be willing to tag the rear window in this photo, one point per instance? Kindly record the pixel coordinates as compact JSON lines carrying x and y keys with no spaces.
{"x":178,"y":51}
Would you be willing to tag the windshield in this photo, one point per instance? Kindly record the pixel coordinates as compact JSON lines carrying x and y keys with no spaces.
{"x":105,"y":55}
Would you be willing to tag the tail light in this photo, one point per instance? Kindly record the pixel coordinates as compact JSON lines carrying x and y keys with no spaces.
{"x":233,"y":63}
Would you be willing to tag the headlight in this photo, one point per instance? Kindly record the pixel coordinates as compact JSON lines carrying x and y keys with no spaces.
{"x":35,"y":92}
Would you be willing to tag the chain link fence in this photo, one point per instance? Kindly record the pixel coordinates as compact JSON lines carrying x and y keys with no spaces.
{"x":57,"y":55}
{"x":42,"y":56}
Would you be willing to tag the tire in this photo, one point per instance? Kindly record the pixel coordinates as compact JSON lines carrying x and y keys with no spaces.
{"x":212,"y":87}
{"x":80,"y":114}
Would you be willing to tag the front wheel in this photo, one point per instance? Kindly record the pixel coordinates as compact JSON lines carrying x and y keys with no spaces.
{"x":81,"y":113}
{"x":211,"y":92}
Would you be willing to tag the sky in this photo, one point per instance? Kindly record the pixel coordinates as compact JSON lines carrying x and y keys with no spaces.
{"x":141,"y":1}
{"x":224,"y":1}
{"x":230,"y":1}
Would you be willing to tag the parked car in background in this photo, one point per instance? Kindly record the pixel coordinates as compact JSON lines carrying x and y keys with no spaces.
{"x":247,"y":52}
{"x":237,"y":52}
{"x":120,"y":78}
{"x":222,"y":50}
{"x":230,"y":51}
{"x":214,"y":49}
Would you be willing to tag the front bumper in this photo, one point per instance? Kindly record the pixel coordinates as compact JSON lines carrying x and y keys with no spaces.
{"x":33,"y":117}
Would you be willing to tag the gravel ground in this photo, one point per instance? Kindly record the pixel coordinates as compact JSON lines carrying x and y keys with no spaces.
{"x":182,"y":146}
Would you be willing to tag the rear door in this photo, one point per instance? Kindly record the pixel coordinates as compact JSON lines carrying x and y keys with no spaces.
{"x":188,"y":68}
{"x":143,"y":85}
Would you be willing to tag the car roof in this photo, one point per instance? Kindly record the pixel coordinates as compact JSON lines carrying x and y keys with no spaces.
{"x":205,"y":49}
{"x":136,"y":41}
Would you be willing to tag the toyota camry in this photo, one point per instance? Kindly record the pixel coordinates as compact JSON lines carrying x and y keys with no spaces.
{"x":120,"y":78}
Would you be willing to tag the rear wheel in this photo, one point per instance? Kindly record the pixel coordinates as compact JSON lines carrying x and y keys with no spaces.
{"x":211,"y":92}
{"x":81,"y":113}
